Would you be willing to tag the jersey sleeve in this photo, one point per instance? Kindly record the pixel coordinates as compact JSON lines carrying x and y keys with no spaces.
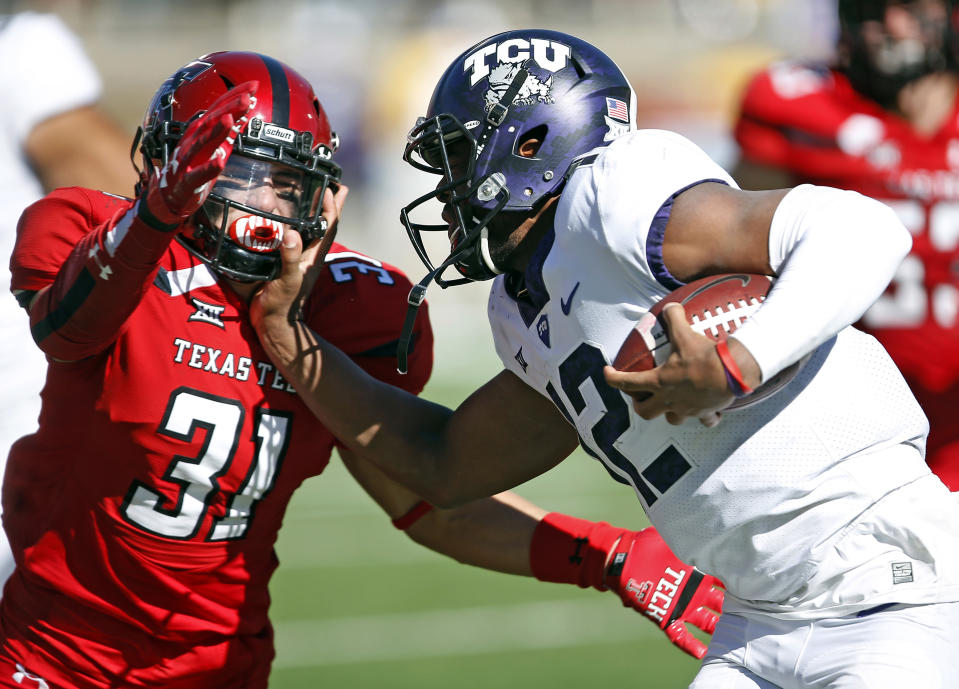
{"x":82,"y":299}
{"x":47,"y":67}
{"x":49,"y":230}
{"x":359,"y":304}
{"x":621,"y":201}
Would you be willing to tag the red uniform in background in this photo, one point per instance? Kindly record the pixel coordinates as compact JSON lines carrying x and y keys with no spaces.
{"x":146,"y":509}
{"x":810,"y":122}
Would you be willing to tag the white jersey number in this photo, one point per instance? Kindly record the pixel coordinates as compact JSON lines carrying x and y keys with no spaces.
{"x":222,"y":419}
{"x":585,"y":367}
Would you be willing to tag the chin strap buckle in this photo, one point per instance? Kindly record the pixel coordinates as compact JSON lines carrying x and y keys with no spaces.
{"x":417,"y":295}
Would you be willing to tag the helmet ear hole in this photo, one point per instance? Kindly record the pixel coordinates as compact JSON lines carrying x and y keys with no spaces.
{"x":528,"y":145}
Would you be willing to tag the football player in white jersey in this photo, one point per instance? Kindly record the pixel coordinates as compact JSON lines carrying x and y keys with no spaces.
{"x":837,"y":545}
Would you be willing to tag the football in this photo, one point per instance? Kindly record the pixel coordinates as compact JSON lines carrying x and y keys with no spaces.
{"x":715,"y":307}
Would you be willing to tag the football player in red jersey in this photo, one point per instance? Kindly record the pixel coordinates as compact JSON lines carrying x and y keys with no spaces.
{"x":144,"y":511}
{"x":884,"y":121}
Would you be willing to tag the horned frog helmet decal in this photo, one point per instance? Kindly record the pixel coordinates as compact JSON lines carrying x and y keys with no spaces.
{"x":533,"y":90}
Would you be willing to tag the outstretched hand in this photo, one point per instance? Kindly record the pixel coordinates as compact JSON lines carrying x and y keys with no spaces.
{"x":690,"y":383}
{"x":179,"y":189}
{"x":278,"y":303}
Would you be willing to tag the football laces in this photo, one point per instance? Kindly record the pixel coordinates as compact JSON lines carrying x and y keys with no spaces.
{"x":724,"y":319}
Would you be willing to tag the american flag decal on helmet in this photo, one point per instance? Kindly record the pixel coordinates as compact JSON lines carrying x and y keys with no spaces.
{"x":617,"y":109}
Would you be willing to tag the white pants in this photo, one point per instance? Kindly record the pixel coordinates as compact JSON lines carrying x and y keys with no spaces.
{"x":893,"y":648}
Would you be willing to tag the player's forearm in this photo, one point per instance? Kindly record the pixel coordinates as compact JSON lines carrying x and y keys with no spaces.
{"x":97,"y":288}
{"x":834,"y":252}
{"x":100,"y":159}
{"x":404,"y":435}
{"x":494,"y":533}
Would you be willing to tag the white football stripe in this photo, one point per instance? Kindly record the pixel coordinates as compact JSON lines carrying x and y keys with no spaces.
{"x":335,"y":255}
{"x":185,"y":280}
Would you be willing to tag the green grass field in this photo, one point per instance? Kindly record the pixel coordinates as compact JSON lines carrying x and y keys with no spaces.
{"x":356,"y":604}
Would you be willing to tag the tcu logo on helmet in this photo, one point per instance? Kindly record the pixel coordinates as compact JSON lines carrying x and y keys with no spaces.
{"x":550,"y":55}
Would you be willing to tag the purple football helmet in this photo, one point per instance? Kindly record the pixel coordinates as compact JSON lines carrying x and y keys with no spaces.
{"x":508,"y":89}
{"x":504,"y":90}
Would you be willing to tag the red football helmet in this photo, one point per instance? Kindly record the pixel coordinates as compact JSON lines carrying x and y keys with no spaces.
{"x":277,"y":174}
{"x":886,"y":44}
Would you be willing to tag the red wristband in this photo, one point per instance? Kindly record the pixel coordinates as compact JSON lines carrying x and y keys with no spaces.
{"x":569,"y":550}
{"x":405,"y":521}
{"x":734,"y":377}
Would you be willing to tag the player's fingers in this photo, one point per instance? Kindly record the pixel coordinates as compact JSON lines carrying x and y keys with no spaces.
{"x":651,"y":406}
{"x":215,"y":131}
{"x":714,"y":599}
{"x":339,"y":197}
{"x":202,"y":136}
{"x":313,"y":259}
{"x":291,"y":248}
{"x":631,"y":381}
{"x":714,"y":582}
{"x":236,"y":102}
{"x":674,"y":317}
{"x":679,"y":635}
{"x":314,"y":254}
{"x":291,"y":251}
{"x":217,"y":142}
{"x":711,"y":420}
{"x":703,"y":619}
{"x":674,"y":418}
{"x":641,"y":386}
{"x":197,"y":160}
{"x":198,"y":175}
{"x":276,"y":301}
{"x":685,"y":342}
{"x":334,"y":197}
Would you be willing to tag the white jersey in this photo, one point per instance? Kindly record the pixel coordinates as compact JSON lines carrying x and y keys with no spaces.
{"x":814,"y":502}
{"x":45,"y":73}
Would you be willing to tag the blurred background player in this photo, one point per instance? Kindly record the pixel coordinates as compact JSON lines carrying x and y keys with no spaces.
{"x":52,"y":134}
{"x":882,"y":120}
{"x":145,"y":509}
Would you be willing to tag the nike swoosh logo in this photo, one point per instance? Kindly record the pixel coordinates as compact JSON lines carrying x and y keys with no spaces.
{"x":567,"y":303}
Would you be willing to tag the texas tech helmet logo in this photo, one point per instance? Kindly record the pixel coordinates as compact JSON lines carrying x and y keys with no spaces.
{"x":163,"y":98}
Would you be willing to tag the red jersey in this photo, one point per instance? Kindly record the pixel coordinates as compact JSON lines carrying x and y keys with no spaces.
{"x":144,"y":511}
{"x":810,"y":122}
